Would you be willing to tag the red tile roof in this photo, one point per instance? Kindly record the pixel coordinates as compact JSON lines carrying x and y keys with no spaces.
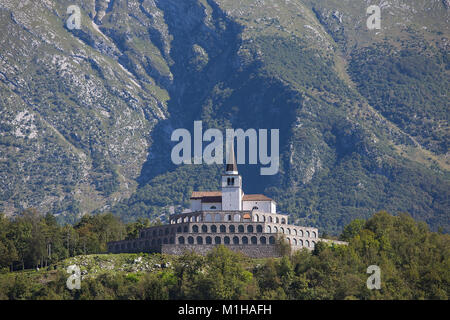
{"x":216,"y":196}
{"x":255,"y":197}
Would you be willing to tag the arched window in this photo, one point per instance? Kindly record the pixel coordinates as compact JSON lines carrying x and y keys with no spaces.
{"x":213,"y":207}
{"x":208,"y":218}
{"x":179,"y":229}
{"x":232,"y":229}
{"x":214,"y":228}
{"x":300,"y":242}
{"x":255,"y":218}
{"x":294,"y":231}
{"x":288,"y":231}
{"x":272,"y":240}
{"x":217,"y":217}
{"x":204,"y":228}
{"x":282,"y":230}
{"x":306,"y":243}
{"x":275,"y":229}
{"x":237,"y":217}
{"x":228,"y":217}
{"x":307,"y":234}
{"x":295,"y":241}
{"x":181,"y":240}
{"x":259,"y":228}
{"x":250,"y":229}
{"x":171,"y":240}
{"x":217,"y":240}
{"x":262,"y":240}
{"x":255,"y":208}
{"x":300,"y":233}
{"x":208,"y":240}
{"x":288,"y":240}
{"x":192,"y":219}
{"x":166,"y":231}
{"x":235,"y":240}
{"x":195,"y":229}
{"x":199,"y":240}
{"x":268,"y":229}
{"x":270,"y":219}
{"x":277,"y":220}
{"x":226,"y":240}
{"x":283,"y":221}
{"x":244,"y":240}
{"x":240,"y":228}
{"x":185,"y":229}
{"x":253,"y":240}
{"x":223,"y":229}
{"x":313,"y":244}
{"x":314,"y":235}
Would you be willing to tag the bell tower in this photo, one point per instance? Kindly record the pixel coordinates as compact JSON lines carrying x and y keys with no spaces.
{"x":231,"y":183}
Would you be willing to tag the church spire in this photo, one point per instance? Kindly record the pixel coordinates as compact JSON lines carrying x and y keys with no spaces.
{"x":231,"y":167}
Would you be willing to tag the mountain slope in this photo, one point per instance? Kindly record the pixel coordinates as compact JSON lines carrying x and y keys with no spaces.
{"x":362,"y":115}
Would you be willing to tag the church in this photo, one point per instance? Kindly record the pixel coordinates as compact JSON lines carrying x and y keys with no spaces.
{"x":247,"y":223}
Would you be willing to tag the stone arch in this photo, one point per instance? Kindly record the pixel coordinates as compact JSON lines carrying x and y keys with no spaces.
{"x":255,"y":218}
{"x":235,"y":240}
{"x":226,"y":240}
{"x":208,"y":218}
{"x":314,"y":235}
{"x":204,"y":228}
{"x":288,"y":240}
{"x":307,"y":234}
{"x":262,"y":240}
{"x":185,"y":229}
{"x":171,"y":240}
{"x":181,"y":240}
{"x":228,"y":217}
{"x":254,"y":240}
{"x":237,"y":217}
{"x":213,"y":228}
{"x":250,"y":228}
{"x":268,"y":229}
{"x":277,"y":220}
{"x":195,"y":228}
{"x":217,"y":217}
{"x":244,"y":240}
{"x":294,"y":232}
{"x":294,"y":241}
{"x":272,"y":240}
{"x":208,"y":240}
{"x":232,"y":229}
{"x":213,"y":207}
{"x":300,"y":233}
{"x":288,"y":231}
{"x":281,"y":230}
{"x":270,"y":219}
{"x":241,"y":228}
{"x":275,"y":229}
{"x":283,"y":221}
{"x":223,"y":229}
{"x":199,"y":240}
{"x":165,"y":241}
{"x":259,"y":228}
{"x":160,"y":232}
{"x":313,"y":244}
{"x":192,"y":219}
{"x":217,"y":240}
{"x":300,"y":242}
{"x":191,"y":240}
{"x":179,"y":229}
{"x":166,"y":231}
{"x":306,"y":243}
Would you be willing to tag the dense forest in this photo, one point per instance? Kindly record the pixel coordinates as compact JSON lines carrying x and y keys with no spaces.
{"x":414,"y":263}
